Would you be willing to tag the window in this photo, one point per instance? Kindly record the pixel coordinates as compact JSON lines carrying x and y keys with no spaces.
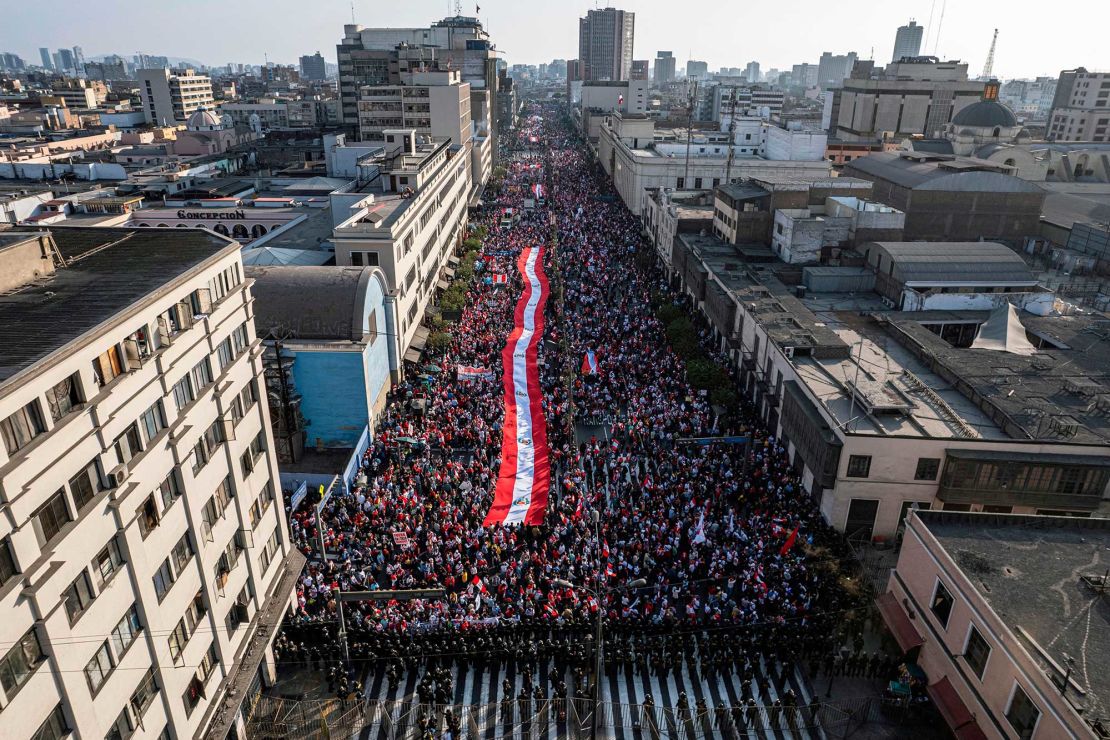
{"x":147,"y":515}
{"x":201,"y":374}
{"x":224,"y":353}
{"x":250,"y":457}
{"x":183,"y":393}
{"x":107,"y":367}
{"x":240,"y":339}
{"x":206,"y":445}
{"x":239,"y":612}
{"x":21,"y":427}
{"x":128,"y":444}
{"x":927,"y":468}
{"x":1022,"y":713}
{"x":78,"y":596}
{"x":194,"y":692}
{"x":153,"y":421}
{"x":181,"y":554}
{"x":270,"y":549}
{"x":98,"y":668}
{"x":121,"y":729}
{"x":107,"y":562}
{"x":178,"y":638}
{"x":54,"y":728}
{"x":51,"y":517}
{"x":144,"y":693}
{"x":126,"y":631}
{"x":941,"y":605}
{"x":169,"y":490}
{"x":63,"y":397}
{"x":208,"y":663}
{"x":20,"y":662}
{"x":85,"y":485}
{"x":859,"y":466}
{"x":976,"y":652}
{"x":7,"y":561}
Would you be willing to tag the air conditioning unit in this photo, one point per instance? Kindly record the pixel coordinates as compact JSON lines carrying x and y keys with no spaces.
{"x":118,"y":475}
{"x":789,"y":352}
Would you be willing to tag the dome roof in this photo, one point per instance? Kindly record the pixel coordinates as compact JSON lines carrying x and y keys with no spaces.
{"x":202,"y":119}
{"x":985,"y":114}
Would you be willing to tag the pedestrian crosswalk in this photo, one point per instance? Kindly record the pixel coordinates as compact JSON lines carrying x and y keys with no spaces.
{"x":478,"y":703}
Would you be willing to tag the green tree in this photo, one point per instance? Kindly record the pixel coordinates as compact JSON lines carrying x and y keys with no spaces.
{"x":683,"y":338}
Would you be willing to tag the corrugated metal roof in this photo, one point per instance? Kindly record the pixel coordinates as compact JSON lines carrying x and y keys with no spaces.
{"x":955,"y":261}
{"x":322,"y":303}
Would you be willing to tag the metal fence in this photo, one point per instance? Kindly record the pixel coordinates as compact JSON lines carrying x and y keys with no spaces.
{"x":275,"y":718}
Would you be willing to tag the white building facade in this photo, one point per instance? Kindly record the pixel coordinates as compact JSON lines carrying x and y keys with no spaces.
{"x":144,"y":545}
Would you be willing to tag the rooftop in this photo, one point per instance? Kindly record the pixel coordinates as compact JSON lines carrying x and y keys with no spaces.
{"x":926,"y":171}
{"x":106,"y":271}
{"x":285,"y":310}
{"x":1030,"y":570}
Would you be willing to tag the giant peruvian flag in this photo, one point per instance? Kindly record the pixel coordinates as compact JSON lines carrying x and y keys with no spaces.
{"x":525,"y":475}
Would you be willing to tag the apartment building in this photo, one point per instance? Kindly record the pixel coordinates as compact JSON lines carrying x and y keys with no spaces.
{"x":171,"y":96}
{"x":145,"y":563}
{"x":404,"y":213}
{"x":1080,"y":107}
{"x":1006,"y":617}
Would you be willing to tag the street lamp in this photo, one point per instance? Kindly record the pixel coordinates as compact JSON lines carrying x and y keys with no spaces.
{"x":638,"y":583}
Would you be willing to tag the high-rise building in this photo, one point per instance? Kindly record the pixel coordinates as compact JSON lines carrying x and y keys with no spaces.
{"x":172,"y":96}
{"x":907,"y":42}
{"x":64,"y":60}
{"x":365,"y":56}
{"x":696,"y":70}
{"x":79,"y":60}
{"x":605,"y":44}
{"x":664,"y":67}
{"x":909,"y":98}
{"x":314,"y":67}
{"x":832,"y":69}
{"x":145,"y":561}
{"x":44,"y":55}
{"x":1080,"y":107}
{"x":11,"y":62}
{"x":751,"y":72}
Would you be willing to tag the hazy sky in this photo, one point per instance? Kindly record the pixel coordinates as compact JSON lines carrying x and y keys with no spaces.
{"x":721,"y":32}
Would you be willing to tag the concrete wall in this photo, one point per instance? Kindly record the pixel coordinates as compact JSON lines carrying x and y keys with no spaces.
{"x":41,"y":171}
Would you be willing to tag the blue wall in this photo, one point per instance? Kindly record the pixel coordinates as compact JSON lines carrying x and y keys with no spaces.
{"x":334,"y":391}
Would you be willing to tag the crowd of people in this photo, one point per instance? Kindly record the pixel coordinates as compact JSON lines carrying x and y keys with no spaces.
{"x":695,"y":554}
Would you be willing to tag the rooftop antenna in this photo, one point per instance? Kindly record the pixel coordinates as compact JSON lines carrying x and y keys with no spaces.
{"x":458,"y":7}
{"x":988,"y":67}
{"x":731,"y":134}
{"x":689,"y":133}
{"x":940,"y":26}
{"x":353,"y":10}
{"x":929,"y":28}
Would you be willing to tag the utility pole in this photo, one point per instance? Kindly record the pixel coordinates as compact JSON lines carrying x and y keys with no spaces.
{"x":689,"y":132}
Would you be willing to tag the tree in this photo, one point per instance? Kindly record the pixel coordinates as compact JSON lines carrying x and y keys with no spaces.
{"x":683,"y":338}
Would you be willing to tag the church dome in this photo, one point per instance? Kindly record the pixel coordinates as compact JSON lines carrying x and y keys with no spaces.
{"x":203,"y":119}
{"x":985,"y":114}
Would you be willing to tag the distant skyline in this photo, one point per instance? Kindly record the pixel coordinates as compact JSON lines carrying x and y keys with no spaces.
{"x":719,"y":32}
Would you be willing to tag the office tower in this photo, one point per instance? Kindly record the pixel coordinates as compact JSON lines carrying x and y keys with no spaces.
{"x":44,"y":55}
{"x":907,"y":42}
{"x":12,"y":62}
{"x":369,"y":56}
{"x":751,"y":73}
{"x":1079,"y":107}
{"x":145,"y":562}
{"x":664,"y":67}
{"x":605,"y":44}
{"x":832,"y":69}
{"x":696,"y":70}
{"x":172,"y":96}
{"x":314,"y":68}
{"x":78,"y":60}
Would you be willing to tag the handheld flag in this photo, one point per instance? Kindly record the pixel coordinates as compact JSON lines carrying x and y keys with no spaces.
{"x":699,"y":533}
{"x":477,"y":581}
{"x":620,"y":100}
{"x":589,"y":363}
{"x":789,"y":541}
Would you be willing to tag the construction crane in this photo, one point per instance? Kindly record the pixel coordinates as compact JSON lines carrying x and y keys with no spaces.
{"x":988,"y":67}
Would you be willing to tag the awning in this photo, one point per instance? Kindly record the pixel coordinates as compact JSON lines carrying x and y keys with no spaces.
{"x":898,"y":622}
{"x":442,"y":285}
{"x":955,"y":713}
{"x":412,"y":355}
{"x":420,"y":338}
{"x":449,"y":271}
{"x":453,"y":260}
